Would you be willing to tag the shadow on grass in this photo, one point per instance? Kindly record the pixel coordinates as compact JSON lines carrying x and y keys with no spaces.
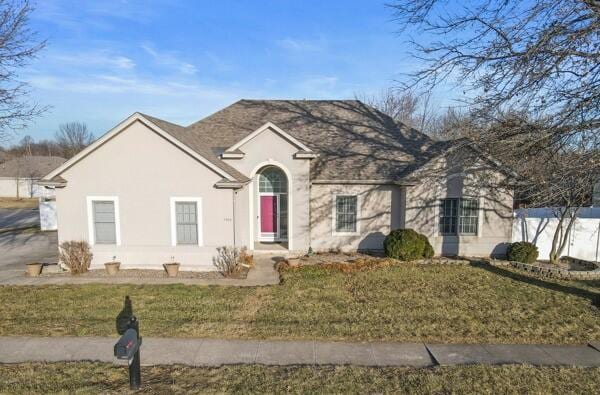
{"x":593,"y":297}
{"x":124,"y":316}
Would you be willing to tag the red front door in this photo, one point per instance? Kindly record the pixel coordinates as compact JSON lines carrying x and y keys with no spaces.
{"x":268,"y":214}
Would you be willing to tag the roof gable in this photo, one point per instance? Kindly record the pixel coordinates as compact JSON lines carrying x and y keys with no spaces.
{"x":353,"y":141}
{"x":152,"y":124}
{"x":274,"y":128}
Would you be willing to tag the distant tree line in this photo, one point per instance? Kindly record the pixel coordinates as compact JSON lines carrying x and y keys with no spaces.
{"x":70,"y":138}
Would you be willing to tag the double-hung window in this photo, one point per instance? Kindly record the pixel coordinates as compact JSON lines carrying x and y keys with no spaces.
{"x":103,"y":217}
{"x":459,"y":217}
{"x":346,"y":211}
{"x":186,"y":221}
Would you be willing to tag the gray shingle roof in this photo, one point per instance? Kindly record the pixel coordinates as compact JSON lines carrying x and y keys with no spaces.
{"x":195,"y":142}
{"x":353,"y":140}
{"x":30,"y":166}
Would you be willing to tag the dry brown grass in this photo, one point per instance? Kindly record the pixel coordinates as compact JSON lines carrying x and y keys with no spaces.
{"x":14,"y":203}
{"x":383,"y":301}
{"x":93,"y":378}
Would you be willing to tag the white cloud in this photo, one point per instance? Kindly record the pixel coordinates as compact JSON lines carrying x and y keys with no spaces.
{"x":299,"y":45}
{"x":169,"y":59}
{"x":102,"y":58}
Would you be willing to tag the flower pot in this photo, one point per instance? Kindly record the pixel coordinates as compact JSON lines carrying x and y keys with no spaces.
{"x":112,"y":267}
{"x":172,"y":269}
{"x":34,"y":269}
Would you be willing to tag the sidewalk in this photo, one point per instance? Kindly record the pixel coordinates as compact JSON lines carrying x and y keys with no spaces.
{"x":263,"y":273}
{"x":215,"y":352}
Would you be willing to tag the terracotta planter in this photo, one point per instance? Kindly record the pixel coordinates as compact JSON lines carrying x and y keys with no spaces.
{"x":112,"y":268}
{"x":34,"y":269}
{"x":172,"y":269}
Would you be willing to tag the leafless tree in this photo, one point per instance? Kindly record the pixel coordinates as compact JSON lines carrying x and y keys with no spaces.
{"x":531,"y":75}
{"x":18,"y":46}
{"x":72,"y":137}
{"x":416,"y":110}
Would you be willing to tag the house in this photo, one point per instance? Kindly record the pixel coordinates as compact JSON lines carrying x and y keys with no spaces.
{"x":18,"y":176}
{"x":271,"y":175}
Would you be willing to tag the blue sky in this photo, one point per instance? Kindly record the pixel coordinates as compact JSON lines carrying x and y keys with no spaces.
{"x":182,"y":60}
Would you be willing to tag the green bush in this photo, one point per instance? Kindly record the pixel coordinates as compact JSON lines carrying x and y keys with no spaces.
{"x":428,"y":249}
{"x":522,"y":251}
{"x":407,"y":245}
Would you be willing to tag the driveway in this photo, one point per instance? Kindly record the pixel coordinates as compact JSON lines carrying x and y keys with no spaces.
{"x":19,"y":217}
{"x":19,"y":248}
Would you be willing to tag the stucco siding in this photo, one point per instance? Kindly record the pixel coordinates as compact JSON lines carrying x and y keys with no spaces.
{"x":495,"y":216}
{"x":379,"y":211}
{"x":269,"y":148}
{"x":145,"y":171}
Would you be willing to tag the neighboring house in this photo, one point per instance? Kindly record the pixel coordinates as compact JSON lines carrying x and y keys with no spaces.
{"x":596,"y":194}
{"x":270,"y":175}
{"x":18,"y":176}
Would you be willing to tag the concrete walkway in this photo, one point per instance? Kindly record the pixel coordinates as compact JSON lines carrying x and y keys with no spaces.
{"x":215,"y":352}
{"x":263,"y":273}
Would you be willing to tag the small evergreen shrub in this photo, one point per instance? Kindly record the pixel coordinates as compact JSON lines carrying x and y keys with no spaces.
{"x":522,"y":251}
{"x":428,"y":249}
{"x":407,"y":245}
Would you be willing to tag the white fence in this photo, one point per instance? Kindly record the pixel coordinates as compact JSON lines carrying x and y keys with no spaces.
{"x":538,"y":225}
{"x":48,"y":215}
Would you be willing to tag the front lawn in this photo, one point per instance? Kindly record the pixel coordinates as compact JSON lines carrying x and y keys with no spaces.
{"x":86,"y":377}
{"x":400,"y":302}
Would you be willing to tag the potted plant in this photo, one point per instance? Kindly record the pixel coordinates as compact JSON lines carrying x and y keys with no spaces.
{"x":34,"y":269}
{"x":112,"y":267}
{"x":172,"y":267}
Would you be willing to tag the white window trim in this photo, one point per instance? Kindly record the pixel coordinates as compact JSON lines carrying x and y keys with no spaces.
{"x":90,"y":214}
{"x":198,"y":202}
{"x":479,"y":217}
{"x":253,"y":189}
{"x":334,"y":214}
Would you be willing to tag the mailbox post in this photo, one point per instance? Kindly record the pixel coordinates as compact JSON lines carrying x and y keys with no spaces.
{"x":128,"y":347}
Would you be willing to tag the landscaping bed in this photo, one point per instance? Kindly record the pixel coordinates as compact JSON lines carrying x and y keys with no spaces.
{"x":149,"y":273}
{"x":375,"y":299}
{"x":88,"y":377}
{"x":566,"y":269}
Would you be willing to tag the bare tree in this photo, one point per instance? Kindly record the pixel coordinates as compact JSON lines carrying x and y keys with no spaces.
{"x":18,"y":46}
{"x":531,"y":76}
{"x":415,"y":110}
{"x":72,"y":137}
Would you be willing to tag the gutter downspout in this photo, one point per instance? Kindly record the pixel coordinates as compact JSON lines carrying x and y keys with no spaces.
{"x":233,"y":217}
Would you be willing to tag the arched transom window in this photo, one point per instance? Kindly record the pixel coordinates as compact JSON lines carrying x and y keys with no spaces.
{"x":272,"y":179}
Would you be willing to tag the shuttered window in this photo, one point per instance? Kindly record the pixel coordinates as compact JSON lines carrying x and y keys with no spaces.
{"x":186,"y":214}
{"x":104,"y":222}
{"x":345,"y":217}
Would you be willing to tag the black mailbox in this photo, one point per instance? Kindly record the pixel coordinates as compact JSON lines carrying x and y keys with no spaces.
{"x":127,"y":345}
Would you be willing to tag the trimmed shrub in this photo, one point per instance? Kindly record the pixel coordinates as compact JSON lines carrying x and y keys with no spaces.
{"x":407,"y":245}
{"x":76,"y":255}
{"x":522,"y":251}
{"x":428,"y":249}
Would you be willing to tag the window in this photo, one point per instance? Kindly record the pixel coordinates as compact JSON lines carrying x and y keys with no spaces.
{"x":346,"y":213}
{"x":459,"y":216}
{"x":273,"y":180}
{"x":105,"y":231}
{"x":103,"y":220}
{"x":186,"y":221}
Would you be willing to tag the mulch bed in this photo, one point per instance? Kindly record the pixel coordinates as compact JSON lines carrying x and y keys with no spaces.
{"x":153,"y":273}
